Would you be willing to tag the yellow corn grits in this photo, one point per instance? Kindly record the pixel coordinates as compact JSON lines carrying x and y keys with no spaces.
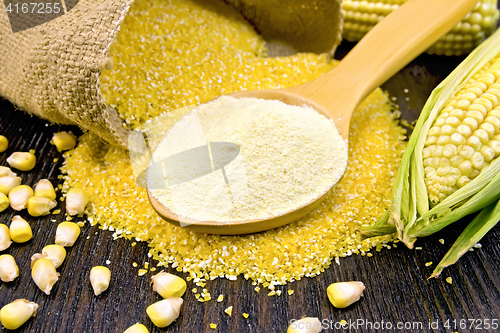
{"x":174,"y":53}
{"x":180,"y":52}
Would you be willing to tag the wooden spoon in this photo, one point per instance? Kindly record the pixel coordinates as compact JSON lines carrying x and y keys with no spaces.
{"x":388,"y":47}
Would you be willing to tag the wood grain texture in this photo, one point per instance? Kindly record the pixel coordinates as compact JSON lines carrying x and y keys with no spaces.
{"x":397,"y":289}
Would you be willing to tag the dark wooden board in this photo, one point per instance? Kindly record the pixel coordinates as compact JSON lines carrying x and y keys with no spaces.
{"x":397,"y":288}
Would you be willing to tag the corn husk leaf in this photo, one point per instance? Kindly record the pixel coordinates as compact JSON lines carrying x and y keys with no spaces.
{"x":482,"y":199}
{"x":374,"y":231}
{"x":413,"y":194}
{"x":380,"y":228}
{"x":480,"y":225}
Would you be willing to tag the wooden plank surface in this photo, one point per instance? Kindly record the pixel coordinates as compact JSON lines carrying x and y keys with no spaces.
{"x":397,"y":288}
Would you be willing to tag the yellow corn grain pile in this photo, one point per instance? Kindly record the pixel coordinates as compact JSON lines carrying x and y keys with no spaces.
{"x":180,"y":52}
{"x":170,"y":54}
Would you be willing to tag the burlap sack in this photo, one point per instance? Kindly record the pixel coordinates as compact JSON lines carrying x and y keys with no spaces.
{"x":52,"y":70}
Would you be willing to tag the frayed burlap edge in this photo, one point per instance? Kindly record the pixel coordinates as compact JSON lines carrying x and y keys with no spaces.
{"x":53,"y":70}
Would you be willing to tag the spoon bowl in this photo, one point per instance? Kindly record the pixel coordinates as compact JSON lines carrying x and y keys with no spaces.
{"x":233,"y":228}
{"x":388,"y":47}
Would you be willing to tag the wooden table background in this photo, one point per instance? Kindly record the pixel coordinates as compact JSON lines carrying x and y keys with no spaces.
{"x":397,"y":288}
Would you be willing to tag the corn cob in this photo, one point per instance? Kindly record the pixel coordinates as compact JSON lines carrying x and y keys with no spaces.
{"x":361,"y":15}
{"x":451,"y":167}
{"x":465,"y":137}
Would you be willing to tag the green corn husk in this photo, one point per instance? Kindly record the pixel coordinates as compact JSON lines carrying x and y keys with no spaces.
{"x":482,"y":223}
{"x":411,"y":214}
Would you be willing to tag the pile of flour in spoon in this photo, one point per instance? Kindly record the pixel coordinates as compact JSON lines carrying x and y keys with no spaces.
{"x":288,"y":156}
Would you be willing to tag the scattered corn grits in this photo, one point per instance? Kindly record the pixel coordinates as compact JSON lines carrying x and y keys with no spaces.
{"x":175,"y":53}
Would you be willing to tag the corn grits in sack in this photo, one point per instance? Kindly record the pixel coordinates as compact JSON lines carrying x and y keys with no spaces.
{"x":53,"y":69}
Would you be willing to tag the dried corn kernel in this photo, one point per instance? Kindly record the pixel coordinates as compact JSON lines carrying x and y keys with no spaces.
{"x":164,"y":312}
{"x":37,"y":256}
{"x":4,"y":202}
{"x":229,"y":310}
{"x":5,"y":239}
{"x":15,"y":314}
{"x":8,"y":268}
{"x":213,"y":326}
{"x":44,"y":274}
{"x":137,"y":328}
{"x":19,"y":195}
{"x":245,"y":315}
{"x":168,"y":285}
{"x":20,"y":230}
{"x":64,"y":140}
{"x":22,"y":161}
{"x":55,"y":253}
{"x":343,"y":294}
{"x":76,"y":201}
{"x":7,"y":183}
{"x":67,"y":233}
{"x":38,"y":206}
{"x":44,"y":188}
{"x":305,"y":325}
{"x":99,"y":279}
{"x":6,"y":171}
{"x":4,"y":143}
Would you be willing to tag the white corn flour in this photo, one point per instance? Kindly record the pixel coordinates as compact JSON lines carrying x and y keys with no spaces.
{"x":288,"y":156}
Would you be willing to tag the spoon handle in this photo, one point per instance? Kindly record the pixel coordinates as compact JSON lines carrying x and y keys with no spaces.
{"x":388,"y":47}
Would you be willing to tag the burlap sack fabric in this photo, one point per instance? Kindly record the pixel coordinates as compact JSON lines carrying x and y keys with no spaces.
{"x":52,"y":70}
